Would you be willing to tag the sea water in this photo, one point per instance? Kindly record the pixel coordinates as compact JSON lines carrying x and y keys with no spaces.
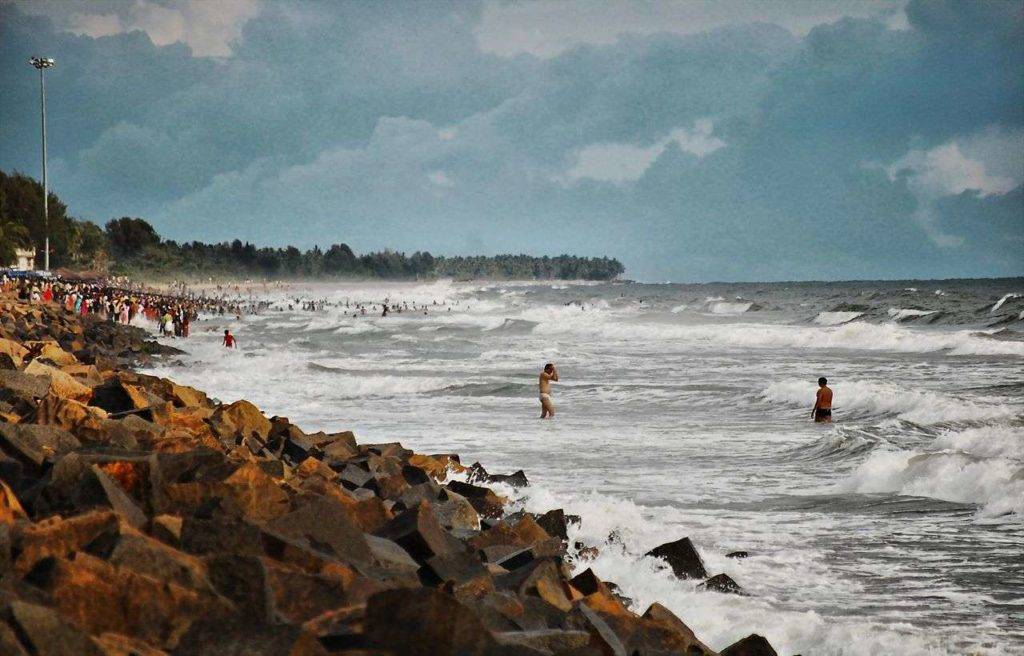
{"x":684,"y":410}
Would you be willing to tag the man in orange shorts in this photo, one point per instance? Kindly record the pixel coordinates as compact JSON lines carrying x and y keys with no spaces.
{"x":822,"y":412}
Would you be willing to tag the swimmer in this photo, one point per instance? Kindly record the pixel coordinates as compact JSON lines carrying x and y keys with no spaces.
{"x":822,"y":412}
{"x":229,"y":339}
{"x":547,"y":407}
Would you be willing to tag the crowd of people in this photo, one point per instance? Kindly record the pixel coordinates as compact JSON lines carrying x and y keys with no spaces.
{"x":123,"y":303}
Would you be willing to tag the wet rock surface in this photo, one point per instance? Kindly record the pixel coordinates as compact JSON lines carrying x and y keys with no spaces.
{"x":138,"y":516}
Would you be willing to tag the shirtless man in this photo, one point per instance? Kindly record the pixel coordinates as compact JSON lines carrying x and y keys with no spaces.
{"x":822,"y":412}
{"x":547,"y":408}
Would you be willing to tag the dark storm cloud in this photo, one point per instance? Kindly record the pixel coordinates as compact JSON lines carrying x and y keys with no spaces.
{"x":850,"y":149}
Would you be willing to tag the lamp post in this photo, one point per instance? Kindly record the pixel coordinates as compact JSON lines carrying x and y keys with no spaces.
{"x":41,"y":64}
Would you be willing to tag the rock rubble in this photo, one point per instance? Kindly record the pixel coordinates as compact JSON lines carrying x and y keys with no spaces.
{"x":139,"y":516}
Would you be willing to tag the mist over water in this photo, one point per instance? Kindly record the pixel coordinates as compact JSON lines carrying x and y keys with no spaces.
{"x":684,"y":410}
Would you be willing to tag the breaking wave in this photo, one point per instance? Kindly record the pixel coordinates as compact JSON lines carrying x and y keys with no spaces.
{"x":982,"y":466}
{"x":836,"y":318}
{"x":865,"y":399}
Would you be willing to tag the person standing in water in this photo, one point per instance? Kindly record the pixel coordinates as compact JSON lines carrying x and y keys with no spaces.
{"x":822,"y":412}
{"x":229,"y":339}
{"x":547,"y":408}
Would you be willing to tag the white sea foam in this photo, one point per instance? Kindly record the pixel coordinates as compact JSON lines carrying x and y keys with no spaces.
{"x":1000,"y":302}
{"x":984,"y":442}
{"x":835,"y":318}
{"x":720,"y":619}
{"x":641,"y":420}
{"x":996,"y":484}
{"x":357,"y":328}
{"x":899,"y":314}
{"x":856,"y":397}
{"x":859,"y":335}
{"x":722,"y":307}
{"x":679,"y":308}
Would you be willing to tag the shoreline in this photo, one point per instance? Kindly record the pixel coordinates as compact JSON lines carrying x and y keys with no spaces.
{"x":141,"y":514}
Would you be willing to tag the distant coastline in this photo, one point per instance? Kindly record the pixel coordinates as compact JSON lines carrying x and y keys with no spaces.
{"x":132,"y":247}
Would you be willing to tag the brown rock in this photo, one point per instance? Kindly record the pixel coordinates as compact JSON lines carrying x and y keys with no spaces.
{"x":86,"y":374}
{"x":484,"y":500}
{"x":389,"y":555}
{"x":17,"y":385}
{"x":523,"y":533}
{"x":184,"y":396}
{"x":241,"y":419}
{"x":10,"y":508}
{"x":602,"y":636}
{"x":167,"y":529}
{"x":547,"y":641}
{"x":59,"y":537}
{"x":418,"y":531}
{"x":682,"y":557}
{"x":298,"y":596}
{"x":752,"y":645}
{"x":666,"y":618}
{"x":458,"y":568}
{"x":144,"y":555}
{"x":424,"y":622}
{"x":100,"y":598}
{"x":242,"y":637}
{"x":16,"y":351}
{"x":243,"y":580}
{"x":119,"y":500}
{"x":257,"y":495}
{"x":440,"y":465}
{"x":52,"y":352}
{"x":115,"y":644}
{"x":722,"y":583}
{"x":554,"y":523}
{"x":326,"y":525}
{"x":220,"y":535}
{"x":371,"y":514}
{"x":74,"y":416}
{"x":35,"y":444}
{"x":61,"y":384}
{"x":9,"y":643}
{"x":456,"y":512}
{"x":49,"y":635}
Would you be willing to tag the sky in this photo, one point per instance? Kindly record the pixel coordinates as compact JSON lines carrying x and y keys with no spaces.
{"x":695,"y":141}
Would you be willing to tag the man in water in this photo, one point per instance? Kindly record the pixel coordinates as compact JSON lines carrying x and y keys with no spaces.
{"x":547,"y":408}
{"x":822,"y":412}
{"x":229,"y":339}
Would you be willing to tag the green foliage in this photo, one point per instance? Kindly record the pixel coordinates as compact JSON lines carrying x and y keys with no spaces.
{"x":22,"y":204}
{"x":135,"y":249}
{"x":128,"y":236}
{"x":525,"y":267}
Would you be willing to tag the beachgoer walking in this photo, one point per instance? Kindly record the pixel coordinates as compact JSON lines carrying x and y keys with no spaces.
{"x":547,"y":407}
{"x":822,"y":412}
{"x":229,"y":339}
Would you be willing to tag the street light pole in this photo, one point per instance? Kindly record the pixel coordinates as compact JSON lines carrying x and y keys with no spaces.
{"x":41,"y":64}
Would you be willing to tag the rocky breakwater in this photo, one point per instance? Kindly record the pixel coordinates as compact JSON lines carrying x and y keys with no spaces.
{"x":138,"y":516}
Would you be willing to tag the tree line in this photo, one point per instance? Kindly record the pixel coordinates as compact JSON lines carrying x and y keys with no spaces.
{"x":131,"y":246}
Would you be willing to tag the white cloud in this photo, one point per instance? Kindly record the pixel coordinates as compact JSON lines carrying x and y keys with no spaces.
{"x":96,"y":25}
{"x":947,"y":170}
{"x":547,"y":27}
{"x":620,"y":163}
{"x":990,"y":162}
{"x":206,"y":26}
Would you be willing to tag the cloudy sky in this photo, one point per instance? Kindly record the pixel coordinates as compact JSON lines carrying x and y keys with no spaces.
{"x":694,"y":140}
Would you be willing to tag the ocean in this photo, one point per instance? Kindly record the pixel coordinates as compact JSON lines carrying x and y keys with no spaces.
{"x":684,"y":410}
